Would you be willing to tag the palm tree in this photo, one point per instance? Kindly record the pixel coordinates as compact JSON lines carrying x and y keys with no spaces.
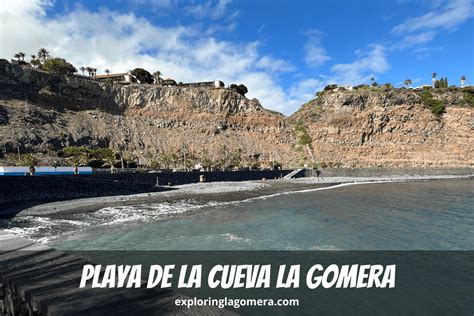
{"x":109,"y":160}
{"x":433,"y":79}
{"x":89,"y":71}
{"x":157,"y":75}
{"x":107,"y":72}
{"x":82,"y":69}
{"x":206,"y":160}
{"x":224,"y":156}
{"x":372,"y":80}
{"x":407,"y":82}
{"x":43,"y":54}
{"x":17,"y":56}
{"x":34,"y":61}
{"x":463,"y":79}
{"x":76,"y":161}
{"x":22,"y":55}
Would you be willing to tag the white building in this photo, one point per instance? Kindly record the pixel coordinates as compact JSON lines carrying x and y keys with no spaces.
{"x":345,"y":88}
{"x":24,"y":171}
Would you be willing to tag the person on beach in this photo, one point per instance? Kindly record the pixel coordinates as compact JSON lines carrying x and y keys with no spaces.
{"x":319,"y":174}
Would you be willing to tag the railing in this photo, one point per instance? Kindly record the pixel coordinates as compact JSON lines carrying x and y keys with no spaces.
{"x":292,"y":174}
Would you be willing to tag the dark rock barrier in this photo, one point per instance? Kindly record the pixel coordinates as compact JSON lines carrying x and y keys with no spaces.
{"x":18,"y":192}
{"x":377,"y":172}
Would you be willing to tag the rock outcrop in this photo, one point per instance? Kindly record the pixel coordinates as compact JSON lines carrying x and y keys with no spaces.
{"x":42,"y":113}
{"x":389,"y":129}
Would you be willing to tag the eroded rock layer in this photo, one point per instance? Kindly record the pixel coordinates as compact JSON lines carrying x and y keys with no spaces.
{"x":42,"y":113}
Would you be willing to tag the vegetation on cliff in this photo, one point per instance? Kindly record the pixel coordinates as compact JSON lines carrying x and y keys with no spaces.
{"x":436,"y":107}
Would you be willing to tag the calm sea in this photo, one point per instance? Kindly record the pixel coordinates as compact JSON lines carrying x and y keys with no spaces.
{"x":421,"y":215}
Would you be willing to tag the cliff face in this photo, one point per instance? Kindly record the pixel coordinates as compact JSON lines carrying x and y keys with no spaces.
{"x":390,"y":128}
{"x":42,"y":113}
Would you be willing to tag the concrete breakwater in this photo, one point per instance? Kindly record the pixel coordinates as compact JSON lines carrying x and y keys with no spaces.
{"x":38,"y":280}
{"x":382,"y":172}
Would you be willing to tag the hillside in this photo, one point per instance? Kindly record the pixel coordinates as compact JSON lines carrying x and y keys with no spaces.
{"x":391,"y":128}
{"x":43,"y":113}
{"x":143,"y":122}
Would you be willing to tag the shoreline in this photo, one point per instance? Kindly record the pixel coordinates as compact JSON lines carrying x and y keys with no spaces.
{"x":217,"y":191}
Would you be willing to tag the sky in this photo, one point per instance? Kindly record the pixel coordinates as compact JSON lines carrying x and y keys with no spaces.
{"x":283,"y":51}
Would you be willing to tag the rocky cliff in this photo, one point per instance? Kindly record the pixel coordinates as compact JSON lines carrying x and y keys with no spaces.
{"x":391,"y":128}
{"x":42,"y":113}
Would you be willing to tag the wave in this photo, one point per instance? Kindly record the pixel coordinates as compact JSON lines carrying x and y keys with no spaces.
{"x":45,"y":229}
{"x":234,"y":238}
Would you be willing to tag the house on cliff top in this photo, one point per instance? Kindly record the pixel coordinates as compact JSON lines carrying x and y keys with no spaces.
{"x":119,"y":77}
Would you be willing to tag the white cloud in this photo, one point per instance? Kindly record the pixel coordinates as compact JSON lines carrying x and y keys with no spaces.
{"x":306,"y":89}
{"x":274,"y":64}
{"x":315,"y":54}
{"x":123,"y":41}
{"x":448,"y":17}
{"x":418,"y":31}
{"x":153,"y":3}
{"x":210,"y":9}
{"x":415,"y":39}
{"x":359,"y":71}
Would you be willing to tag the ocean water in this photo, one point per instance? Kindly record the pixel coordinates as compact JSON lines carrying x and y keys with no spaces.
{"x":418,"y":215}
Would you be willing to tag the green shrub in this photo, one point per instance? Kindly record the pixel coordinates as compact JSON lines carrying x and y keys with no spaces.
{"x":59,"y":66}
{"x":468,"y":96}
{"x":330,"y":87}
{"x":437,"y":107}
{"x":302,"y":134}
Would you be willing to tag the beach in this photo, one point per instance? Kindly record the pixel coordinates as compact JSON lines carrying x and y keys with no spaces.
{"x":217,"y":191}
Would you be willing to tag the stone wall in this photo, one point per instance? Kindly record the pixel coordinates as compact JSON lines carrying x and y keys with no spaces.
{"x":375,"y":172}
{"x":18,"y":193}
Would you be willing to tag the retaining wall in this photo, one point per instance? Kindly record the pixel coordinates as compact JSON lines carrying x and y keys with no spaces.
{"x":20,"y":192}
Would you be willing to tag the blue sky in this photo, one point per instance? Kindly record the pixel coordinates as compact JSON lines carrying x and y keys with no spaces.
{"x":284,"y":51}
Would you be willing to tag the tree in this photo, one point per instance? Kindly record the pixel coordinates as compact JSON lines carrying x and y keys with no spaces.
{"x":89,"y":71}
{"x":35,"y":62}
{"x":108,"y":157}
{"x":157,"y":75}
{"x":166,"y":160}
{"x":433,"y":80}
{"x":17,"y":56}
{"x":224,"y":156}
{"x":241,"y":89}
{"x":142,"y":75}
{"x":43,"y":54}
{"x":407,"y":82}
{"x":205,"y":159}
{"x":59,"y":66}
{"x":372,"y":80}
{"x":76,"y":156}
{"x":82,"y":69}
{"x":107,"y":72}
{"x":22,"y":55}
{"x":184,"y":150}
